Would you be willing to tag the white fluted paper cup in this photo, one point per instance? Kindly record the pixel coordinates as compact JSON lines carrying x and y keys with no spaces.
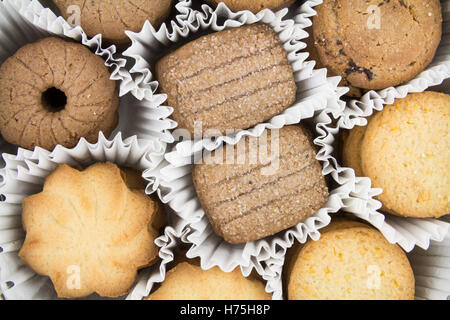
{"x":26,"y":21}
{"x":432,"y":270}
{"x":315,"y":91}
{"x":24,"y":174}
{"x":173,"y":182}
{"x":174,"y":237}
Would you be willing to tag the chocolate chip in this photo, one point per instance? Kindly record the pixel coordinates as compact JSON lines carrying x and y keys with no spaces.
{"x":355,"y":68}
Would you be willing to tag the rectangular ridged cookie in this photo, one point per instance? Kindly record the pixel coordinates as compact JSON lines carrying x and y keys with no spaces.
{"x":245,"y":203}
{"x":228,"y":80}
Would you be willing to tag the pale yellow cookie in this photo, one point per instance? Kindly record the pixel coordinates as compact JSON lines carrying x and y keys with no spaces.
{"x":189,"y":282}
{"x":88,"y":231}
{"x":350,"y":261}
{"x":405,"y":150}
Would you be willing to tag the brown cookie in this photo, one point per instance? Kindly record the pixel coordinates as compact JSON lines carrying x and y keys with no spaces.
{"x":377,"y":44}
{"x":259,"y":195}
{"x":314,"y":55}
{"x":54,"y":92}
{"x":228,"y":80}
{"x":253,"y":5}
{"x":112,"y":17}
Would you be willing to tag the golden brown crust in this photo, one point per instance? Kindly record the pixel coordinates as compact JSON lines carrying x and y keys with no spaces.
{"x":112,"y":17}
{"x":351,"y":260}
{"x":404,"y":150}
{"x":411,"y":139}
{"x":228,"y":80}
{"x":189,"y":282}
{"x":249,"y":201}
{"x":376,"y":58}
{"x":253,"y":5}
{"x":88,"y":225}
{"x":92,"y":98}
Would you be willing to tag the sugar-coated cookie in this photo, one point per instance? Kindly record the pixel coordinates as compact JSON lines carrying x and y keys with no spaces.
{"x":228,"y":80}
{"x":261,"y":194}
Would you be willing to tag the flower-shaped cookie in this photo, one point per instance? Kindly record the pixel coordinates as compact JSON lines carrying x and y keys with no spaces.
{"x":88,"y":231}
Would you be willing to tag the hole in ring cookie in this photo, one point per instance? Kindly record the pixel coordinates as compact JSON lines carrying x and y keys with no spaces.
{"x":54,"y":100}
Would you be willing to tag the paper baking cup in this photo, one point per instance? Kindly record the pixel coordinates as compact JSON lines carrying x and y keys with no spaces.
{"x":173,"y":182}
{"x":407,"y":232}
{"x":315,"y":91}
{"x":173,"y":237}
{"x":25,"y":21}
{"x":432,"y":270}
{"x":24,"y":175}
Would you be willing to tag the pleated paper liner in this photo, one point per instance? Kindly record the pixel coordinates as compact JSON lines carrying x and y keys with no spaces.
{"x":24,"y":175}
{"x":173,"y":182}
{"x":170,"y":245}
{"x":315,"y":91}
{"x":23,"y":22}
{"x":432,"y":270}
{"x":407,"y":232}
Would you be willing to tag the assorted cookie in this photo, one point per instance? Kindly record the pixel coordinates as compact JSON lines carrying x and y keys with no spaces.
{"x":404,"y":150}
{"x":99,"y":224}
{"x":377,"y":44}
{"x":89,"y":232}
{"x":249,"y":197}
{"x":111,"y":18}
{"x":54,"y":92}
{"x":228,"y":80}
{"x":187,"y":281}
{"x":350,"y":261}
{"x":253,"y":5}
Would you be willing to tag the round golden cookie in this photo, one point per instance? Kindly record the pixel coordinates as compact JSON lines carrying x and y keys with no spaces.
{"x":405,"y":150}
{"x":376,"y":44}
{"x":253,"y":5}
{"x":112,"y":17}
{"x":190,"y":282}
{"x":54,"y":92}
{"x":350,"y":261}
{"x":88,"y":232}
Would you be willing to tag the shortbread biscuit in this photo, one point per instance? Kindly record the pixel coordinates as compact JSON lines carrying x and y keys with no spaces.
{"x":350,"y":261}
{"x":228,"y":80}
{"x":260,"y":197}
{"x":376,"y":44}
{"x":405,"y":151}
{"x":88,"y":231}
{"x":189,"y":282}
